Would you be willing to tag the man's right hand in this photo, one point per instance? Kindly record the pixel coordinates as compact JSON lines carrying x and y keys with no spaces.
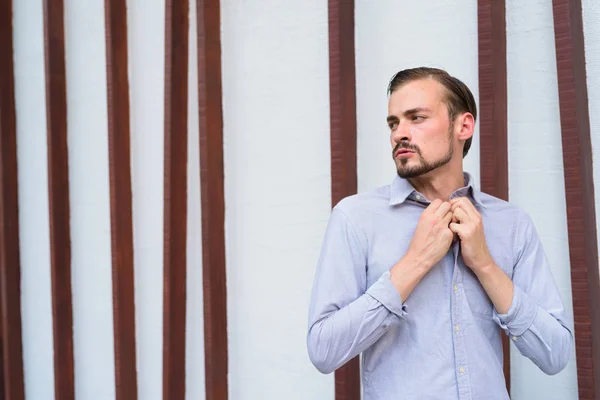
{"x":433,"y":237}
{"x":430,"y":242}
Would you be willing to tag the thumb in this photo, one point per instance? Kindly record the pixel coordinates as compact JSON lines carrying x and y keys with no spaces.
{"x":456,"y":228}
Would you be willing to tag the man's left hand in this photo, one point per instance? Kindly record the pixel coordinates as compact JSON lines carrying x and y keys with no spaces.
{"x":467,"y":224}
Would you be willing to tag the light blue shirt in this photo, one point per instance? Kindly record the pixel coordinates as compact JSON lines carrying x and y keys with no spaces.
{"x":443,"y":342}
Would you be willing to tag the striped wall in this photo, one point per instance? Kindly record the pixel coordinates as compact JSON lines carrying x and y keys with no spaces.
{"x":536,"y":167}
{"x":168,"y":168}
{"x":591,"y":28}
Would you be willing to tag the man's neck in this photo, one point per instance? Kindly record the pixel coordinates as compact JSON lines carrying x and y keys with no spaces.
{"x":438,"y":184}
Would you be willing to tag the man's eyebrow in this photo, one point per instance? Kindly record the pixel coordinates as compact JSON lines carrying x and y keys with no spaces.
{"x":416,"y":110}
{"x":412,"y":111}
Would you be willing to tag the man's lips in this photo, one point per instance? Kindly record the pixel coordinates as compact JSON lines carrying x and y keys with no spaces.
{"x":403,"y":152}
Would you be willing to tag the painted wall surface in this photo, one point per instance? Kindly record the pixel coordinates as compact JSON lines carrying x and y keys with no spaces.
{"x":591,"y":30}
{"x":89,"y":198}
{"x":536,"y":180}
{"x":87,"y":123}
{"x":146,"y":88}
{"x":30,"y":104}
{"x":194,"y":351}
{"x":277,"y":191}
{"x":277,"y":175}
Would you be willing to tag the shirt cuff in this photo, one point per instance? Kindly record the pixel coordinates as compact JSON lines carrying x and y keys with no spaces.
{"x":520,"y":316}
{"x":385,"y":292}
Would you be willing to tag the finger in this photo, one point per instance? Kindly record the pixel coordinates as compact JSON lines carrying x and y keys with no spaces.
{"x":458,"y":229}
{"x":433,"y":206}
{"x":465,"y":204}
{"x":443,"y":209}
{"x":447,"y":218}
{"x":458,"y":201}
{"x":461,"y":216}
{"x":454,"y":219}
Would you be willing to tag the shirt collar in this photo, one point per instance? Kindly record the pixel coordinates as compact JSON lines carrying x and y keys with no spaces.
{"x":401,"y":189}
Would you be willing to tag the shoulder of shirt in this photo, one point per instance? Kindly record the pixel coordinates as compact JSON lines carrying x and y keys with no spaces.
{"x":504,"y":209}
{"x":359,"y":203}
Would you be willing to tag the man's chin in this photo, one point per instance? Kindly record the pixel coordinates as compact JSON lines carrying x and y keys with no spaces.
{"x":407,"y":173}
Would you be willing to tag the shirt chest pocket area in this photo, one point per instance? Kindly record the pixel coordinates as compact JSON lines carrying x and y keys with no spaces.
{"x":478,"y":301}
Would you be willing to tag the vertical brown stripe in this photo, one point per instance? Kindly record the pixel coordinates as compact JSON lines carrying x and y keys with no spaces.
{"x":579,"y":192}
{"x":212,"y":198}
{"x":58,"y":199}
{"x":175,"y":198}
{"x":120,"y":199}
{"x":342,"y":104}
{"x":493,"y":112}
{"x":11,"y":376}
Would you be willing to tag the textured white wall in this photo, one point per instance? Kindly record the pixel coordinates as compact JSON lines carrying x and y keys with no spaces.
{"x":277,"y":177}
{"x":536,"y":181}
{"x":30,"y":104}
{"x":89,"y":196}
{"x":146,"y":79}
{"x":194,"y":382}
{"x":277,"y":169}
{"x":391,"y":36}
{"x":145,"y":23}
{"x":591,"y":29}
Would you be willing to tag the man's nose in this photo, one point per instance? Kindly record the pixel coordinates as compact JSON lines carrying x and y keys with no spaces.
{"x":402,"y":133}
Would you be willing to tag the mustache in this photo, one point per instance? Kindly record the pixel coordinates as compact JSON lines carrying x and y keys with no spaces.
{"x":406,"y":146}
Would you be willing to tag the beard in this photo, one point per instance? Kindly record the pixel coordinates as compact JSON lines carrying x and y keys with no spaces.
{"x":406,"y":171}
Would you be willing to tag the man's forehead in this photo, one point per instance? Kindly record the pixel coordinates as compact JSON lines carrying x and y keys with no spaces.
{"x":423,"y":93}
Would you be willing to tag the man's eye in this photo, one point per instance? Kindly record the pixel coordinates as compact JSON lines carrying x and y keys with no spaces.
{"x":418,"y":118}
{"x":393,"y":125}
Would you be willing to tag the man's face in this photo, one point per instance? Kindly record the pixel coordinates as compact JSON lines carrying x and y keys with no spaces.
{"x":422,"y":135}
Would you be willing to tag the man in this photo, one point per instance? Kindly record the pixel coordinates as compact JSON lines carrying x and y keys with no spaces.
{"x":418,"y":275}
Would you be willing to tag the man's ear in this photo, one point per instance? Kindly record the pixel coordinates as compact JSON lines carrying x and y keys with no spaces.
{"x":465,"y":126}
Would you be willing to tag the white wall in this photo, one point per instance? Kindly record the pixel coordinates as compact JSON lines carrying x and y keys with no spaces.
{"x":89,"y":198}
{"x":277,"y":181}
{"x":591,"y":29}
{"x":146,"y":80}
{"x":90,"y":205}
{"x":391,"y":36}
{"x":30,"y":104}
{"x":536,"y":181}
{"x":194,"y":341}
{"x":145,"y":23}
{"x":277,"y":175}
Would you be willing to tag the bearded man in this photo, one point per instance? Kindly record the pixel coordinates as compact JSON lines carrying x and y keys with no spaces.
{"x":419,"y":275}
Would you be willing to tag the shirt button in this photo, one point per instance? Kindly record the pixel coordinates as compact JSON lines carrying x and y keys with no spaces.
{"x":514,"y":338}
{"x":418,"y":197}
{"x":457,"y":328}
{"x":456,"y":288}
{"x":461,"y":370}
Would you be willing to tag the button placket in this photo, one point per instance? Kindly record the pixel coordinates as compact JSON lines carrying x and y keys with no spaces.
{"x":460,"y":358}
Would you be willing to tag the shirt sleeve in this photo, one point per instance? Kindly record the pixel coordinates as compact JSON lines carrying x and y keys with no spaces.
{"x":346,"y":317}
{"x":536,"y":320}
